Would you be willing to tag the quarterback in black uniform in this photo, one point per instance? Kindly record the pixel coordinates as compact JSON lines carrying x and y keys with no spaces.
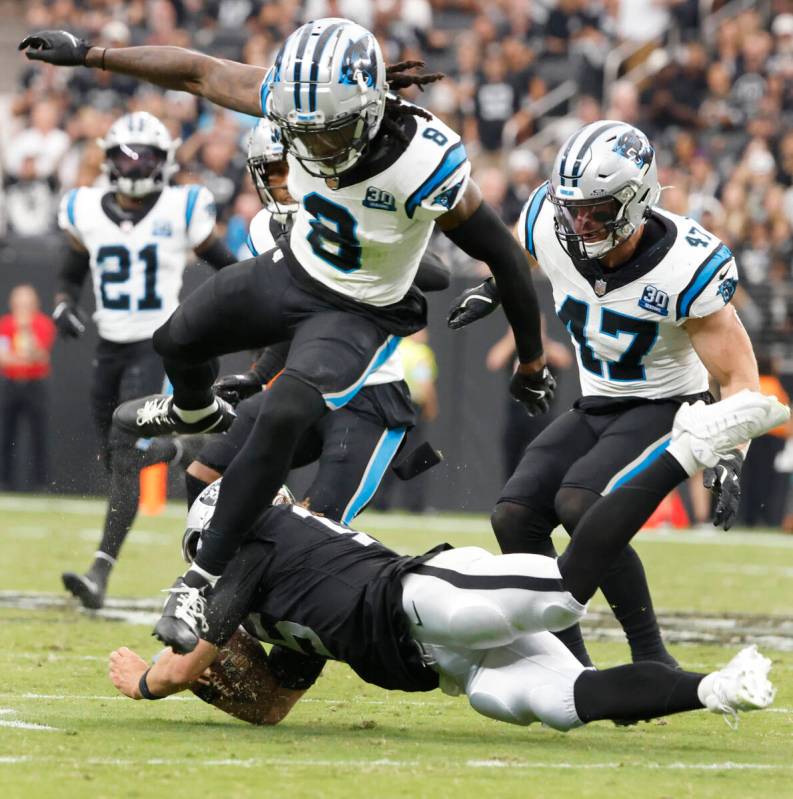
{"x":461,"y":619}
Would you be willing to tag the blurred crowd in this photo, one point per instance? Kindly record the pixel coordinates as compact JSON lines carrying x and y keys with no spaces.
{"x":711,"y":83}
{"x":713,"y":89}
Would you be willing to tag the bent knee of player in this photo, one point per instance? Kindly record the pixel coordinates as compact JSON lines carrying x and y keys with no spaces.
{"x":572,"y":503}
{"x":518,"y":528}
{"x":479,"y":624}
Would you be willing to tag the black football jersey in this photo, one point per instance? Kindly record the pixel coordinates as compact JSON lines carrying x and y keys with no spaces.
{"x":316,"y":586}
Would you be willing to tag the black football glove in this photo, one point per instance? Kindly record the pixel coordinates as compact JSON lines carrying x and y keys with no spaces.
{"x":724,"y":482}
{"x":55,"y":47}
{"x":534,"y":390}
{"x":70,"y":319}
{"x":236,"y":388}
{"x":473,"y":304}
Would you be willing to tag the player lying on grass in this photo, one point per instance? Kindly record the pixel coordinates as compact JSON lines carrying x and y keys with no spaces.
{"x":461,"y":619}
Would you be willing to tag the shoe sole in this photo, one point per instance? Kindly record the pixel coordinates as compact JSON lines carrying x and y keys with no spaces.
{"x":181,"y":645}
{"x":757,"y":692}
{"x":76,"y":586}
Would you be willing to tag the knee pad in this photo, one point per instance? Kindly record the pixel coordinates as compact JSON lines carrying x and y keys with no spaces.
{"x":553,"y":703}
{"x":519,"y":528}
{"x":291,"y":401}
{"x":572,"y":503}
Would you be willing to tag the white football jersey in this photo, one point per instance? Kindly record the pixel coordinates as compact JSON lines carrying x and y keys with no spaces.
{"x":365,"y":239}
{"x":137,"y":269}
{"x":627,"y":325}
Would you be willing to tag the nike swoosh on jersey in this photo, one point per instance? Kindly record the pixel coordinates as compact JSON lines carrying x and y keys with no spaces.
{"x":721,"y":276}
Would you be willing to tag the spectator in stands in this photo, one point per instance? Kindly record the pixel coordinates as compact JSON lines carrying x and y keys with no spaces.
{"x":26,"y":338}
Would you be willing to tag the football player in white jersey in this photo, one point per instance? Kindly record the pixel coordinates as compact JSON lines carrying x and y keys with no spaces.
{"x":353,"y":446}
{"x":645,"y":296}
{"x":373,"y":175}
{"x":135,"y":238}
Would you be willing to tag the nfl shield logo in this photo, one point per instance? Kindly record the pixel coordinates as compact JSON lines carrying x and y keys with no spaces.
{"x":600,"y":287}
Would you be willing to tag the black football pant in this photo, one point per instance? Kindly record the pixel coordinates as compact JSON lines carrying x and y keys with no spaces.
{"x":122,"y":371}
{"x":578,"y":458}
{"x":254,"y":304}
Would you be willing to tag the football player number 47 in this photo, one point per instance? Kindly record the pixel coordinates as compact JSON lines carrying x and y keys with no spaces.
{"x":574,"y":314}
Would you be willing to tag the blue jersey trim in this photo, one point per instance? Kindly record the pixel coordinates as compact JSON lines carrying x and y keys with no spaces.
{"x":651,"y":457}
{"x":250,"y":245}
{"x":702,"y":277}
{"x":381,"y":458}
{"x":264,"y":93}
{"x":452,"y":159}
{"x":70,"y":206}
{"x":192,"y":197}
{"x":531,"y":217}
{"x":339,"y":399}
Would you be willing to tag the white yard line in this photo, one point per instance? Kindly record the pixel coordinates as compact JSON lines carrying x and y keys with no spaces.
{"x":291,"y":763}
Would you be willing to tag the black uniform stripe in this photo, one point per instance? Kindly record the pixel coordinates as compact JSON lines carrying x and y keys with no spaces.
{"x":564,"y":157}
{"x":490,"y":582}
{"x":588,"y":142}
{"x":319,"y":48}
{"x":298,"y":71}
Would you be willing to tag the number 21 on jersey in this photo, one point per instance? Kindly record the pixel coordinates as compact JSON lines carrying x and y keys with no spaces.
{"x":574,"y":315}
{"x":114,"y":263}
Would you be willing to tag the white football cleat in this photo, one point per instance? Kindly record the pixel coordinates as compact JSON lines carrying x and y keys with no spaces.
{"x":703,"y":434}
{"x":741,"y":685}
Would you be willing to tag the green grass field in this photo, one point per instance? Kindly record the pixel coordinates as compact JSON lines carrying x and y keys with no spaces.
{"x":64,"y":732}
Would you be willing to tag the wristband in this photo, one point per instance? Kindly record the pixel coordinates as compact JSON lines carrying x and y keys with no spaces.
{"x":144,"y":688}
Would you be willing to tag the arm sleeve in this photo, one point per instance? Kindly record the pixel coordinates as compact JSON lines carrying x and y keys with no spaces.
{"x":233,"y":596}
{"x":486,"y":238}
{"x":200,"y":215}
{"x":271,"y":361}
{"x":74,"y":269}
{"x":217,"y":254}
{"x":710,"y":288}
{"x":433,"y":274}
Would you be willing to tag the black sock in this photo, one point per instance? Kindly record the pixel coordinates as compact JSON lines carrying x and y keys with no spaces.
{"x":194,"y":487}
{"x":574,"y":641}
{"x":260,"y":468}
{"x":192,"y":383}
{"x":635,"y":692}
{"x":100,"y":571}
{"x":122,"y":504}
{"x":626,"y":590}
{"x":609,"y":525}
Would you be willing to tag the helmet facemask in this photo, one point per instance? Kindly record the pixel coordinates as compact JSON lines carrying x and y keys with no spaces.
{"x":592,"y":227}
{"x":270,"y":180}
{"x":136,"y":170}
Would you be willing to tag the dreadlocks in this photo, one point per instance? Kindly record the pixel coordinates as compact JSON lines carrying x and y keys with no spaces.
{"x":397,"y":78}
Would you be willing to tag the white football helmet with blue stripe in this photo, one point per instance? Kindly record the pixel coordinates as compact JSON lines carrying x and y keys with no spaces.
{"x":604,"y":181}
{"x":139,"y":154}
{"x":268,"y":167}
{"x":327,"y":93}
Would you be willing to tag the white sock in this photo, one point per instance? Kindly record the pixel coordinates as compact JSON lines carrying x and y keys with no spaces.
{"x":680,"y":450}
{"x":705,"y":686}
{"x":196,"y":415}
{"x":210,"y":578}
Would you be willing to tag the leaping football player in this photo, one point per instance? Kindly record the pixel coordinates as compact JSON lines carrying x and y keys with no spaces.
{"x":372,"y":175}
{"x":645,"y":295}
{"x":135,"y":238}
{"x":462,"y":619}
{"x":353,"y":446}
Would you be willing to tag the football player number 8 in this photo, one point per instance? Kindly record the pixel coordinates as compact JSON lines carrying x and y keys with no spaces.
{"x":332,"y":236}
{"x":121,"y":258}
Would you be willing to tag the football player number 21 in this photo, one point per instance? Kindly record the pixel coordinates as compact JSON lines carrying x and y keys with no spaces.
{"x":574,"y":314}
{"x":114,"y":263}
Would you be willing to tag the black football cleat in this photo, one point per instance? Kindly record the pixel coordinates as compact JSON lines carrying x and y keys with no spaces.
{"x":90,"y":592}
{"x":154,"y":416}
{"x":183,"y":616}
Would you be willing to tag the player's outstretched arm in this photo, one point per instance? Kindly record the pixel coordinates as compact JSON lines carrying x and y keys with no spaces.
{"x":477,"y":230}
{"x":225,"y":83}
